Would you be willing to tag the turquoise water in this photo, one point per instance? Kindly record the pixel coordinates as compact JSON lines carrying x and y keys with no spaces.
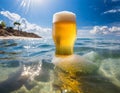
{"x":26,"y":67}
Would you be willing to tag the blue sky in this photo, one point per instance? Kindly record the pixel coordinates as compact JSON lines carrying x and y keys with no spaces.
{"x":90,"y":13}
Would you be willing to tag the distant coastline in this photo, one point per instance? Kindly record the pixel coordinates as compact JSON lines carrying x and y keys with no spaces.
{"x":16,"y":37}
{"x":6,"y":33}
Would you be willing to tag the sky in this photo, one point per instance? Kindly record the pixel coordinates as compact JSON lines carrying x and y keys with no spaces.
{"x":101,"y":17}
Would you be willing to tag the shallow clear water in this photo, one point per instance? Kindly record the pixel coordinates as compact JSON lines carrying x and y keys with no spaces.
{"x":26,"y":67}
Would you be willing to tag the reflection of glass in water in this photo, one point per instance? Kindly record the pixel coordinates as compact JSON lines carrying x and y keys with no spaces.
{"x":65,"y":81}
{"x":68,"y":70}
{"x":74,"y":74}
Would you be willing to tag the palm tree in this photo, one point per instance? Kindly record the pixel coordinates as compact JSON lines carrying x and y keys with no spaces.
{"x":17,"y":24}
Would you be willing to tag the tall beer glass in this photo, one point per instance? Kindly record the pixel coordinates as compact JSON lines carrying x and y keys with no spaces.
{"x":64,"y":32}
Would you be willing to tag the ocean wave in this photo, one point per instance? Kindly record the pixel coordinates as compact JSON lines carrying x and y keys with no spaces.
{"x":110,"y":68}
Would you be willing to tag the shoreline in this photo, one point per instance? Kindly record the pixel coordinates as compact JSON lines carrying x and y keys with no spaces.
{"x":16,"y":37}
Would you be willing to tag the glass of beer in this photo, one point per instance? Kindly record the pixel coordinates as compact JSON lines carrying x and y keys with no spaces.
{"x":64,"y":32}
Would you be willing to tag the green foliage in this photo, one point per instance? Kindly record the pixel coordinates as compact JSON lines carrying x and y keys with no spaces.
{"x":17,"y":24}
{"x":9,"y":28}
{"x":3,"y":24}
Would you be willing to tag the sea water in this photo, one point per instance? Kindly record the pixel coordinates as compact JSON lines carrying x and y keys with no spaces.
{"x":27,"y":66}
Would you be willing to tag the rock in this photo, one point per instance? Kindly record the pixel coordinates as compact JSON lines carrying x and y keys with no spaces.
{"x":9,"y":31}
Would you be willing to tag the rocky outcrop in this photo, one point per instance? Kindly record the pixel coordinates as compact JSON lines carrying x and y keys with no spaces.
{"x":9,"y":31}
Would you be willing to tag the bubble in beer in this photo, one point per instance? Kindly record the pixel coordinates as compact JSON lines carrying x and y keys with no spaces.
{"x":64,"y":32}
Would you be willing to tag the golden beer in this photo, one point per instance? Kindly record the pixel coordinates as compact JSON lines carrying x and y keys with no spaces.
{"x":64,"y":32}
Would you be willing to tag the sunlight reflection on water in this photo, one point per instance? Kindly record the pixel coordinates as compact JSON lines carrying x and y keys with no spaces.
{"x":95,"y":71}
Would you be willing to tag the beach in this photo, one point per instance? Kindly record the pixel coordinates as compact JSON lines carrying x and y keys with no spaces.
{"x":16,"y":37}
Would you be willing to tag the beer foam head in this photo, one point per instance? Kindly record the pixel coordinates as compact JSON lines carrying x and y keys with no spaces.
{"x":64,"y":16}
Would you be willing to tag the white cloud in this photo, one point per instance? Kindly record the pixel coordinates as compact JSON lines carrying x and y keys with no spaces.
{"x":27,"y":26}
{"x":11,"y":16}
{"x":112,"y":11}
{"x":105,"y":30}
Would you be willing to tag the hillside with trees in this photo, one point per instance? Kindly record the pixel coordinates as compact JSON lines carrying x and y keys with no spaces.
{"x":10,"y":31}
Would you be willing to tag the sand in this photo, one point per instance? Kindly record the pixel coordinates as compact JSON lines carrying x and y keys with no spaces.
{"x":16,"y":37}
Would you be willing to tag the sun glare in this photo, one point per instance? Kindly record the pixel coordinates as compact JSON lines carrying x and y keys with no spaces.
{"x":27,"y":4}
{"x":37,"y":1}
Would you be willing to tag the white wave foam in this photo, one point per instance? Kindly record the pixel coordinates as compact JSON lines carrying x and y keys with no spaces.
{"x":74,"y":63}
{"x":92,"y":56}
{"x":110,"y":68}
